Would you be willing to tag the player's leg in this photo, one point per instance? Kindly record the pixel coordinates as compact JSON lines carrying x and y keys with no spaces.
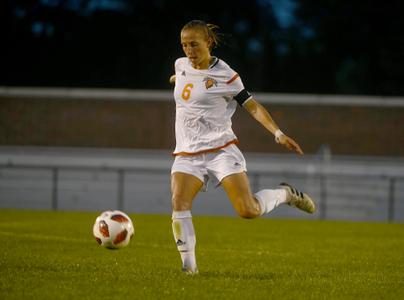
{"x":248,"y":205}
{"x":238,"y":191}
{"x":184,"y":188}
{"x":229,"y":167}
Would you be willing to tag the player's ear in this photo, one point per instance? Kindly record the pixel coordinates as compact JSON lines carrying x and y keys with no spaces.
{"x":210,"y":43}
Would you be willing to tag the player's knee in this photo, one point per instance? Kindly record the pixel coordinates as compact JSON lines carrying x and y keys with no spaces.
{"x":245,"y":215}
{"x":247,"y":211}
{"x":180,"y":204}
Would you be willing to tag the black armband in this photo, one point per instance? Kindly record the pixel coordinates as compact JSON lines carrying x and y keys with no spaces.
{"x":242,"y":97}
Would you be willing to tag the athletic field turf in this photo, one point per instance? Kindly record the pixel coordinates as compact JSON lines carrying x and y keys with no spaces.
{"x":53,"y":255}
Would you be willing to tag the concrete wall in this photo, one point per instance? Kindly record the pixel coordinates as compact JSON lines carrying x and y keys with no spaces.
{"x":139,"y":181}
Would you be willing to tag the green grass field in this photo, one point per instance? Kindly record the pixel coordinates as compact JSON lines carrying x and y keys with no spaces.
{"x":53,"y":255}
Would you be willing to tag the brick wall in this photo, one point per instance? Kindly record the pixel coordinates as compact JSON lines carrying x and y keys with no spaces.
{"x":141,"y":124}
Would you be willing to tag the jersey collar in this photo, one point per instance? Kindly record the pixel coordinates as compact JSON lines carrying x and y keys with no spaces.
{"x":214,"y":62}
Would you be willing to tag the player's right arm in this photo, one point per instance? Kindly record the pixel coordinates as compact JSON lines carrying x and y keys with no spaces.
{"x":172,"y":79}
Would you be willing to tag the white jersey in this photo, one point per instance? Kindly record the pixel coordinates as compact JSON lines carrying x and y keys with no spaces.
{"x":204,"y":106}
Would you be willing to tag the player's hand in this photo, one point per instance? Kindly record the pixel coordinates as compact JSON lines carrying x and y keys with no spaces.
{"x":172,"y":79}
{"x":289,"y":143}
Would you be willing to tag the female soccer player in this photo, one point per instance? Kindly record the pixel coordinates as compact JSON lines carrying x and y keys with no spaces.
{"x":206,"y":93}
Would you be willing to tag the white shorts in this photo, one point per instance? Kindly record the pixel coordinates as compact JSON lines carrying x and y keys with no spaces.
{"x":211,"y":166}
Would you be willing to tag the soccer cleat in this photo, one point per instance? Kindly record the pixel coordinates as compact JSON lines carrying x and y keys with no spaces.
{"x":189,"y":271}
{"x":298,"y":199}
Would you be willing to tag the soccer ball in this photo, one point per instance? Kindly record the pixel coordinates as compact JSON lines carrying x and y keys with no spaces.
{"x":113,"y":229}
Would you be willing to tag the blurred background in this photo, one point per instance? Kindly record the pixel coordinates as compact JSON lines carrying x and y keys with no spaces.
{"x":292,"y":46}
{"x":87,"y":115}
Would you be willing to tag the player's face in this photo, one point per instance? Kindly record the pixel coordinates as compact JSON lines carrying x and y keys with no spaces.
{"x":196,"y":47}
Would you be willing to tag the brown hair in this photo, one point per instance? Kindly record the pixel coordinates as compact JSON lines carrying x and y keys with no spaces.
{"x":210,"y":30}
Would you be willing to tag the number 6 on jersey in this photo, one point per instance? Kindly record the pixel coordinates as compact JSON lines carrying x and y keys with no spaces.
{"x":186,"y":92}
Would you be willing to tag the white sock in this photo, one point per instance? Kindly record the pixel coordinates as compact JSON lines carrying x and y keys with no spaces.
{"x":269,"y":199}
{"x":184,"y":236}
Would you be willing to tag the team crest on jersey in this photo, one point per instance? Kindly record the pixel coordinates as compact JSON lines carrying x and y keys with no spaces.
{"x":209,"y":82}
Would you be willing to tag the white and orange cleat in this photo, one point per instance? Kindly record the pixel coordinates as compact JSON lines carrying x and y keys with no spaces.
{"x":298,"y":199}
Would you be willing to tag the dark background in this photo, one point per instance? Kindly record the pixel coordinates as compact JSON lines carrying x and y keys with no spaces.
{"x":292,"y":46}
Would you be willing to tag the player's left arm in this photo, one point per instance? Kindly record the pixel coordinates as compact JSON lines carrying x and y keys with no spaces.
{"x":259,"y":113}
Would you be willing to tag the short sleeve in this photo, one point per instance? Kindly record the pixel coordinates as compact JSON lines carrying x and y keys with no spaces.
{"x":234,"y":84}
{"x":236,"y":89}
{"x":177,"y":64}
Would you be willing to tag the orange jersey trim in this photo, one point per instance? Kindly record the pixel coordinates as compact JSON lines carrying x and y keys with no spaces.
{"x":233,"y":78}
{"x":206,"y":151}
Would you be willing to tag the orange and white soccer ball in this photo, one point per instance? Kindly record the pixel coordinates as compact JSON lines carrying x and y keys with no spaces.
{"x":113,"y":229}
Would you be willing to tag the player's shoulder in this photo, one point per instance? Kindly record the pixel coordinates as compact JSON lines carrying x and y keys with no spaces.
{"x":224,"y":70}
{"x":221,"y":65}
{"x":181,"y":61}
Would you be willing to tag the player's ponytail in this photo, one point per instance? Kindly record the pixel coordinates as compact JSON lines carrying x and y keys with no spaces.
{"x":210,"y":30}
{"x":213,"y":32}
